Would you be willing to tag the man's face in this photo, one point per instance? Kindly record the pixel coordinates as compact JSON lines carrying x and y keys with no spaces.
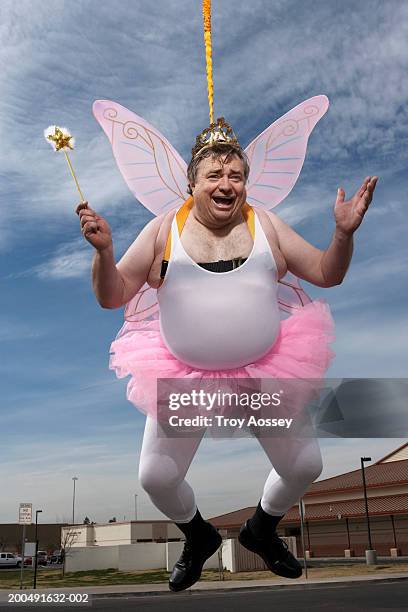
{"x":219,"y":192}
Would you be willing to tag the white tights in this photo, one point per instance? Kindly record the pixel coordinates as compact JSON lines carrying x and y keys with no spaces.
{"x":164,"y":463}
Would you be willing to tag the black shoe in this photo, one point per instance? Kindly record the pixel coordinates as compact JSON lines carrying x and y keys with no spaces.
{"x":195,"y":553}
{"x":273,"y":551}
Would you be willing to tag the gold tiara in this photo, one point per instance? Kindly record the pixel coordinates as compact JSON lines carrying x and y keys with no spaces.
{"x":219,"y":132}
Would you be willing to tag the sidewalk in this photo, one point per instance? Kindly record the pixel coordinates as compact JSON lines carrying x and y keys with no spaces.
{"x":218,"y":585}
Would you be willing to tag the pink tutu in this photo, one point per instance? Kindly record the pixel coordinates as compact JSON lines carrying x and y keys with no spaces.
{"x":301,"y":351}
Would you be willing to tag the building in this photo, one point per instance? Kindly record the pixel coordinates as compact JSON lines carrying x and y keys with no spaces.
{"x":120,"y":533}
{"x":49,"y":536}
{"x":335,"y":520}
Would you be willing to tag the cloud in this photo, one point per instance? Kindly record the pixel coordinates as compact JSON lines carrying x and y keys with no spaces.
{"x":70,"y":261}
{"x":14,"y":331}
{"x":322,"y":51}
{"x":307,"y":201}
{"x":378,"y":268}
{"x":73,"y":259}
{"x":371,"y":344}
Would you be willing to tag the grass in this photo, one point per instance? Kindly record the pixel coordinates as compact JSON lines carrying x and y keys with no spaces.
{"x":52,"y":578}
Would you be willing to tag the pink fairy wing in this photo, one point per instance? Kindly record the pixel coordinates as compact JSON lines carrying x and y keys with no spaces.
{"x":140,"y":311}
{"x":142,"y":305}
{"x":153,"y":170}
{"x":291,"y":296}
{"x":276,"y":156}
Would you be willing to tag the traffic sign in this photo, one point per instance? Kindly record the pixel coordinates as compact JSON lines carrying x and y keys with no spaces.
{"x":25,"y":514}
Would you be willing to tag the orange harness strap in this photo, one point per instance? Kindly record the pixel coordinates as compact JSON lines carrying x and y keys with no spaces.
{"x":181,"y":217}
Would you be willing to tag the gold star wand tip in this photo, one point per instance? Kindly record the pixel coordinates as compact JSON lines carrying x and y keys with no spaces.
{"x":60,"y":139}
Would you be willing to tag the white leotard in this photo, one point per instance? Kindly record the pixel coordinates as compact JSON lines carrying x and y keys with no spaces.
{"x":216,"y":321}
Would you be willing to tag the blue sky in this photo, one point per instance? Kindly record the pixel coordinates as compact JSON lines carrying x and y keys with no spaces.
{"x":62,"y":412}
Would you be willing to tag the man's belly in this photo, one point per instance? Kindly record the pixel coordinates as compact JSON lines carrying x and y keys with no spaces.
{"x":220,"y":333}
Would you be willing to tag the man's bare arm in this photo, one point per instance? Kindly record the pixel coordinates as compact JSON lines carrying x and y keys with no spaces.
{"x":134,"y":266}
{"x":336,"y":259}
{"x":108,"y":285}
{"x":114,"y":285}
{"x":327,"y":268}
{"x":302,"y":258}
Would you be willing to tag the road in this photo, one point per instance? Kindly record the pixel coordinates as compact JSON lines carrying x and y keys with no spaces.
{"x":363,"y":597}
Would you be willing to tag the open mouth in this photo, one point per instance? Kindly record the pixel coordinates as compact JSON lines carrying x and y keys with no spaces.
{"x":223,"y":201}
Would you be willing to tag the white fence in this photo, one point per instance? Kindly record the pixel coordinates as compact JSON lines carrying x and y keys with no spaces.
{"x":146,"y":555}
{"x":91,"y":558}
{"x":160,"y":555}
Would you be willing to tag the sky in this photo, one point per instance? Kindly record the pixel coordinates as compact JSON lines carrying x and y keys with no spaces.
{"x":63,"y":413}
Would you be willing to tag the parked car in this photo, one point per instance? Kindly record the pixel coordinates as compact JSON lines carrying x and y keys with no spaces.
{"x":9,"y":560}
{"x":42,"y":557}
{"x":57,"y":556}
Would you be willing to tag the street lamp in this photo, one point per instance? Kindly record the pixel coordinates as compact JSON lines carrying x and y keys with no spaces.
{"x":74,"y":478}
{"x":371,"y":556}
{"x":37,"y":512}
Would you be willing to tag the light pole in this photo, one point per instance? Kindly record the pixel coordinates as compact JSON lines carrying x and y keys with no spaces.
{"x":371,"y":555}
{"x":37,"y":512}
{"x":135,"y":506}
{"x":74,"y":478}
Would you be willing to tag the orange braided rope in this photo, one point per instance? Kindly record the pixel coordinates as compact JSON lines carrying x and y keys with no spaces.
{"x":208,"y":55}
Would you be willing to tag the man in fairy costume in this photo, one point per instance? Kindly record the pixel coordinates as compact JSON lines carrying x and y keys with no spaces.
{"x":214,"y":236}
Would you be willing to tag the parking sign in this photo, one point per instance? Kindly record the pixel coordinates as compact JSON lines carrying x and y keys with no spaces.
{"x":25,"y":514}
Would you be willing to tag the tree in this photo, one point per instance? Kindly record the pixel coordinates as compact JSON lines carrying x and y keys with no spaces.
{"x":112,"y":520}
{"x":3,"y":543}
{"x":87,"y":521}
{"x":68,"y":537}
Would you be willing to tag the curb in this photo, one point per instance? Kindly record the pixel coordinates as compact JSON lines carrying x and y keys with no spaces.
{"x":213,"y":587}
{"x":275,"y":587}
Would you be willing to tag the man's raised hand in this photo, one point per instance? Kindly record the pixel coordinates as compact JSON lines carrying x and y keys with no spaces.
{"x":94,"y":228}
{"x":350,"y":213}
